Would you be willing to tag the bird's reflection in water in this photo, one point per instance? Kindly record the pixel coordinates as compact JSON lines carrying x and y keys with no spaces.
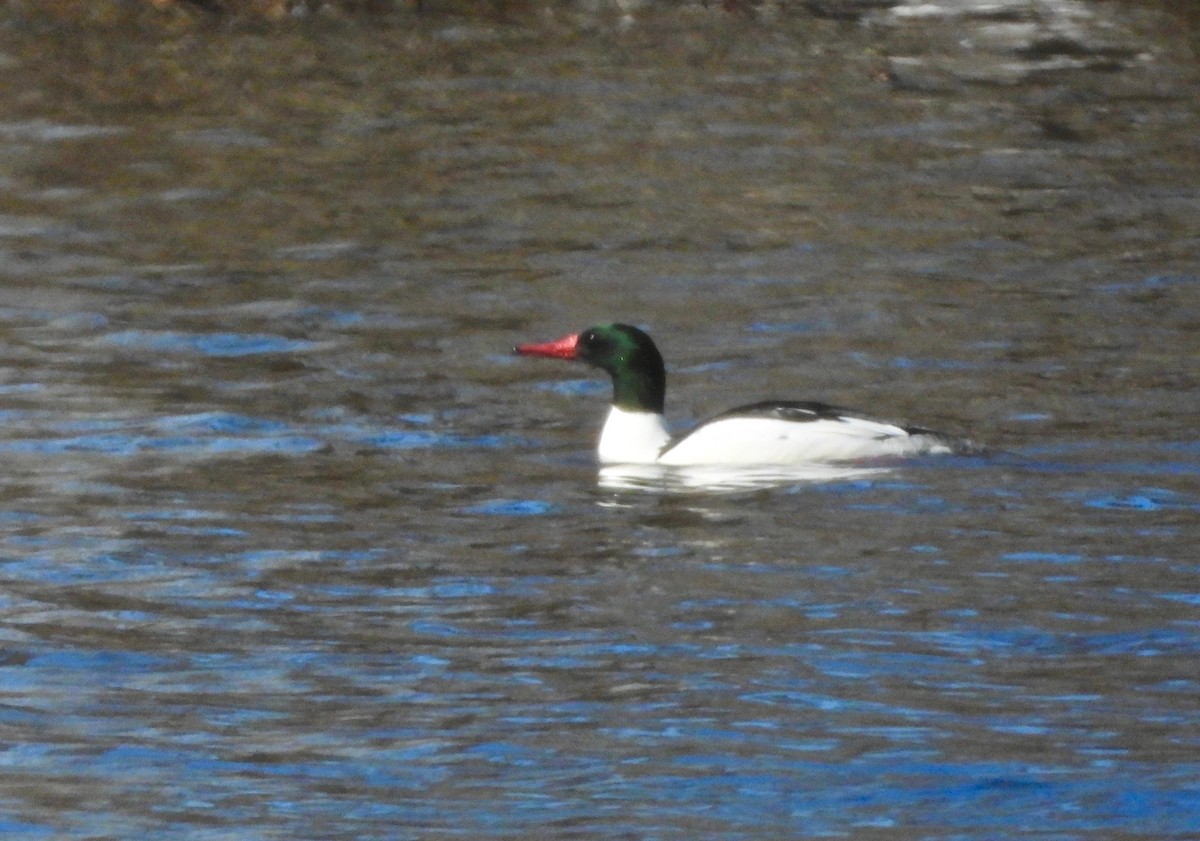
{"x":727,"y":478}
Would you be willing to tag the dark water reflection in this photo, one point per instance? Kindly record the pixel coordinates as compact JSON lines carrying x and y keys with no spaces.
{"x":292,"y":547}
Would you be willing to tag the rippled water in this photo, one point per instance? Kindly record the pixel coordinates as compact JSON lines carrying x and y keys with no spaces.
{"x":293,"y":547}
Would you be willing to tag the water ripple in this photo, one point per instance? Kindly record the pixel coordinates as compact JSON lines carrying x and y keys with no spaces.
{"x":208,"y":344}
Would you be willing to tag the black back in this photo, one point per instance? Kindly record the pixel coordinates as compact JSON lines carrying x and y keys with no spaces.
{"x":805,"y":411}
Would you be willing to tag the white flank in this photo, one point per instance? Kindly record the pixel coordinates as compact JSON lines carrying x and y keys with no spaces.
{"x":632,"y":437}
{"x":751,"y":440}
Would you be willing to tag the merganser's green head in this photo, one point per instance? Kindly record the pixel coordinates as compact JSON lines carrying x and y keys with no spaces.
{"x":625,"y":352}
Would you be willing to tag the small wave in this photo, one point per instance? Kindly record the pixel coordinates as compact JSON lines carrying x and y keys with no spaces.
{"x":208,"y":344}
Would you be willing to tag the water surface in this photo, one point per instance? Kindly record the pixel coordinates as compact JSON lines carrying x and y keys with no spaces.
{"x":292,"y":546}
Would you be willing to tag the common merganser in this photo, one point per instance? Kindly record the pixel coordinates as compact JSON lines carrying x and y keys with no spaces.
{"x":768,"y":433}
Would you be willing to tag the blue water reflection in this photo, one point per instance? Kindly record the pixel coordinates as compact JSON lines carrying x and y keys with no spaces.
{"x":208,"y":344}
{"x":454,"y":718}
{"x":219,"y":433}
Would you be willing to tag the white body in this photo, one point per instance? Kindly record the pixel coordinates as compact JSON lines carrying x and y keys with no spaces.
{"x":640,"y":438}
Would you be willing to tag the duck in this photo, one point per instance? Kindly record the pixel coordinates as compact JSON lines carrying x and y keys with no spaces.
{"x":770,"y":432}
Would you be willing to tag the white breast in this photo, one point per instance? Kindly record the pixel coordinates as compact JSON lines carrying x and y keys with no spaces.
{"x":632,"y":437}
